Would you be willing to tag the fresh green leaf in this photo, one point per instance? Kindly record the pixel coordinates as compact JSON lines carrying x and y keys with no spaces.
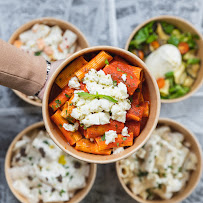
{"x":97,"y":96}
{"x":193,"y":61}
{"x":173,"y":40}
{"x":124,"y":138}
{"x":131,"y":77}
{"x":151,"y":38}
{"x":169,"y":74}
{"x":168,"y":28}
{"x":38,"y":53}
{"x":106,"y":62}
{"x":45,"y":142}
{"x":117,"y":144}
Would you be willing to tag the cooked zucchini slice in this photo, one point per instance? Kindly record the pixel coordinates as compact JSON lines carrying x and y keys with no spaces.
{"x":188,"y":81}
{"x":189,"y":55}
{"x":164,"y":91}
{"x":162,"y":35}
{"x":192,"y":70}
{"x":178,"y":73}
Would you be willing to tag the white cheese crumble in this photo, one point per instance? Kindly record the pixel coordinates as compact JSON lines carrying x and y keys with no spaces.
{"x":125,"y":131}
{"x":117,"y":150}
{"x":110,"y":136}
{"x":71,"y":127}
{"x":97,"y":111}
{"x":124,"y":77}
{"x":74,"y":83}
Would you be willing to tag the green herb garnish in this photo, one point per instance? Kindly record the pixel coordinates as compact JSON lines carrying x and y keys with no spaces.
{"x":173,"y":40}
{"x":103,"y":138}
{"x":193,"y":61}
{"x":114,"y":83}
{"x":86,"y":95}
{"x":131,"y":77}
{"x":118,"y":69}
{"x":45,"y":142}
{"x":61,"y":192}
{"x":124,"y":138}
{"x":168,"y":28}
{"x":38,"y":53}
{"x":58,"y":101}
{"x":106,"y":62}
{"x":67,"y":95}
{"x":117,"y":144}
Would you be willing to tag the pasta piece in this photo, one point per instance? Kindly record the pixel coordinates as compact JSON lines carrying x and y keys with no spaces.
{"x":59,"y":121}
{"x":145,"y":106}
{"x":134,"y":127}
{"x":117,"y":69}
{"x":99,"y":130}
{"x":120,"y":141}
{"x":64,"y":77}
{"x":96,"y":63}
{"x":135,"y":113}
{"x":86,"y":145}
{"x":118,"y":58}
{"x":83,"y":87}
{"x":65,"y":95}
{"x":67,"y":110}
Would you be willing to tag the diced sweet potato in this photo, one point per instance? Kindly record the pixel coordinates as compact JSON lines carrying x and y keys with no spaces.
{"x":134,"y":127}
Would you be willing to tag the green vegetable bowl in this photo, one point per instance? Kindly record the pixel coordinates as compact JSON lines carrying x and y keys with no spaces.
{"x":172,"y":49}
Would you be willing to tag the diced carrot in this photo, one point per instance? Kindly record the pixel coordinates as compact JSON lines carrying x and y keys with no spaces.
{"x":183,"y":47}
{"x":141,"y":54}
{"x":120,"y":141}
{"x":134,"y":127}
{"x":86,"y":145}
{"x":160,"y":82}
{"x":17,"y":43}
{"x":155,"y":44}
{"x":99,"y":130}
{"x":64,"y":96}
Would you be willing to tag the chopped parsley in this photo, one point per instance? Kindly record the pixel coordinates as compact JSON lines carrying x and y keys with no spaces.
{"x":30,"y":158}
{"x":114,"y":83}
{"x":66,"y":112}
{"x":106,"y":62}
{"x":67,"y":95}
{"x":45,"y":142}
{"x":85,"y":128}
{"x":58,"y":101}
{"x":117,"y":144}
{"x":60,"y":125}
{"x":67,"y":173}
{"x":180,"y":169}
{"x":142,"y":173}
{"x":131,"y":77}
{"x":61,"y":192}
{"x":38,"y":53}
{"x":103,"y":138}
{"x":124,"y":138}
{"x":118,"y":69}
{"x":71,"y":104}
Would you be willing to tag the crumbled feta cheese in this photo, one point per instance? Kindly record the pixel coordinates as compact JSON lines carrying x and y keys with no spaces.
{"x":100,"y":118}
{"x":125,"y":131}
{"x":124,"y":77}
{"x":110,"y":136}
{"x":74,"y":83}
{"x":71,"y":127}
{"x":117,"y":150}
{"x":89,"y":111}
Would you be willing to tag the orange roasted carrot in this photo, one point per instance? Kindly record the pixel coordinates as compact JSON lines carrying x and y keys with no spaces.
{"x":98,"y":62}
{"x":155,"y":44}
{"x":59,"y":121}
{"x":99,"y":130}
{"x":17,"y":43}
{"x":183,"y":47}
{"x":64,"y":96}
{"x":134,"y":127}
{"x":86,"y":145}
{"x":120,"y":141}
{"x":160,"y":82}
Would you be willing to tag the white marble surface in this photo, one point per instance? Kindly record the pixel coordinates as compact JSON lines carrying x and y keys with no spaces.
{"x":104,"y":22}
